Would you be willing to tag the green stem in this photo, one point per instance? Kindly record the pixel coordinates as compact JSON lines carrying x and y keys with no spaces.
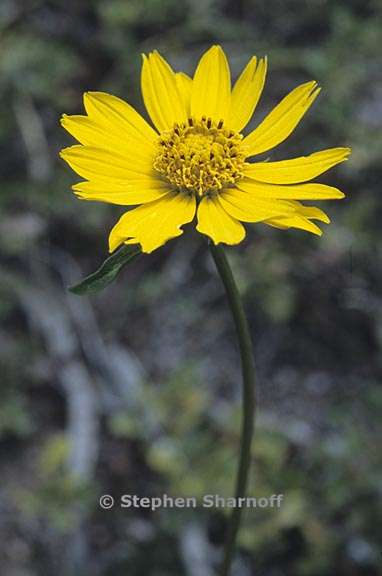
{"x":248,"y":398}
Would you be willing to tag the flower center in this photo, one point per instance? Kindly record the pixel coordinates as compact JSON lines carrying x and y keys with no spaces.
{"x":200,"y":156}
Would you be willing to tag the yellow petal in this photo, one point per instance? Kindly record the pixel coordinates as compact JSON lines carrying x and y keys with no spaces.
{"x":246,"y":93}
{"x":311,"y":191}
{"x":135,"y":192}
{"x":311,"y":212}
{"x":242,"y":206}
{"x":297,"y":169}
{"x":151,"y":225}
{"x":118,"y":117}
{"x":295,"y":222}
{"x":282,"y":120}
{"x":98,"y":164}
{"x":160,"y":91}
{"x":216,"y":223}
{"x":184,"y":84}
{"x":211,"y":86}
{"x":91,"y":133}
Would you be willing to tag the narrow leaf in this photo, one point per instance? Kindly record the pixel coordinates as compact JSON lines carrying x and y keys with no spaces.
{"x":107,"y":271}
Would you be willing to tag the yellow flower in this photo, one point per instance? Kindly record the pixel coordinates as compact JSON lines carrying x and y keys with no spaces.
{"x":196,"y":161}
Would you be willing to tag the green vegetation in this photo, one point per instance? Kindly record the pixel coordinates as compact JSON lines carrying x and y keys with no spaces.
{"x":136,"y":389}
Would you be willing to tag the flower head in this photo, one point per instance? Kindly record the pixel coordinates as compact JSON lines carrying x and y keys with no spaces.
{"x":197,"y":161}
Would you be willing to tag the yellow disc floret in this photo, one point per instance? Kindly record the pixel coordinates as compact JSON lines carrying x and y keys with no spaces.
{"x":200,"y":157}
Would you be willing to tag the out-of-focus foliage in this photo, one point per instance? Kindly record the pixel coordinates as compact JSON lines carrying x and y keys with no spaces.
{"x":138,"y":389}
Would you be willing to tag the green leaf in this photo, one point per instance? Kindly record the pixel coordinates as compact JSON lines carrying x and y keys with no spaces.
{"x":107,"y":272}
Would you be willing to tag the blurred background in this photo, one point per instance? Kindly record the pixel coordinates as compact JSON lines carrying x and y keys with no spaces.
{"x":137,"y":390}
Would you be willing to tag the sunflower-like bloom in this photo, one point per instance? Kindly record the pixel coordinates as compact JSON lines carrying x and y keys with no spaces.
{"x":196,"y":161}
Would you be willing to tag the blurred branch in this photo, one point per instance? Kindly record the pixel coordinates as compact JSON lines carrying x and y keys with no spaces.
{"x":93,"y":376}
{"x":120,"y":370}
{"x":48,"y":317}
{"x":196,"y":551}
{"x":31,"y":127}
{"x":47,"y":314}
